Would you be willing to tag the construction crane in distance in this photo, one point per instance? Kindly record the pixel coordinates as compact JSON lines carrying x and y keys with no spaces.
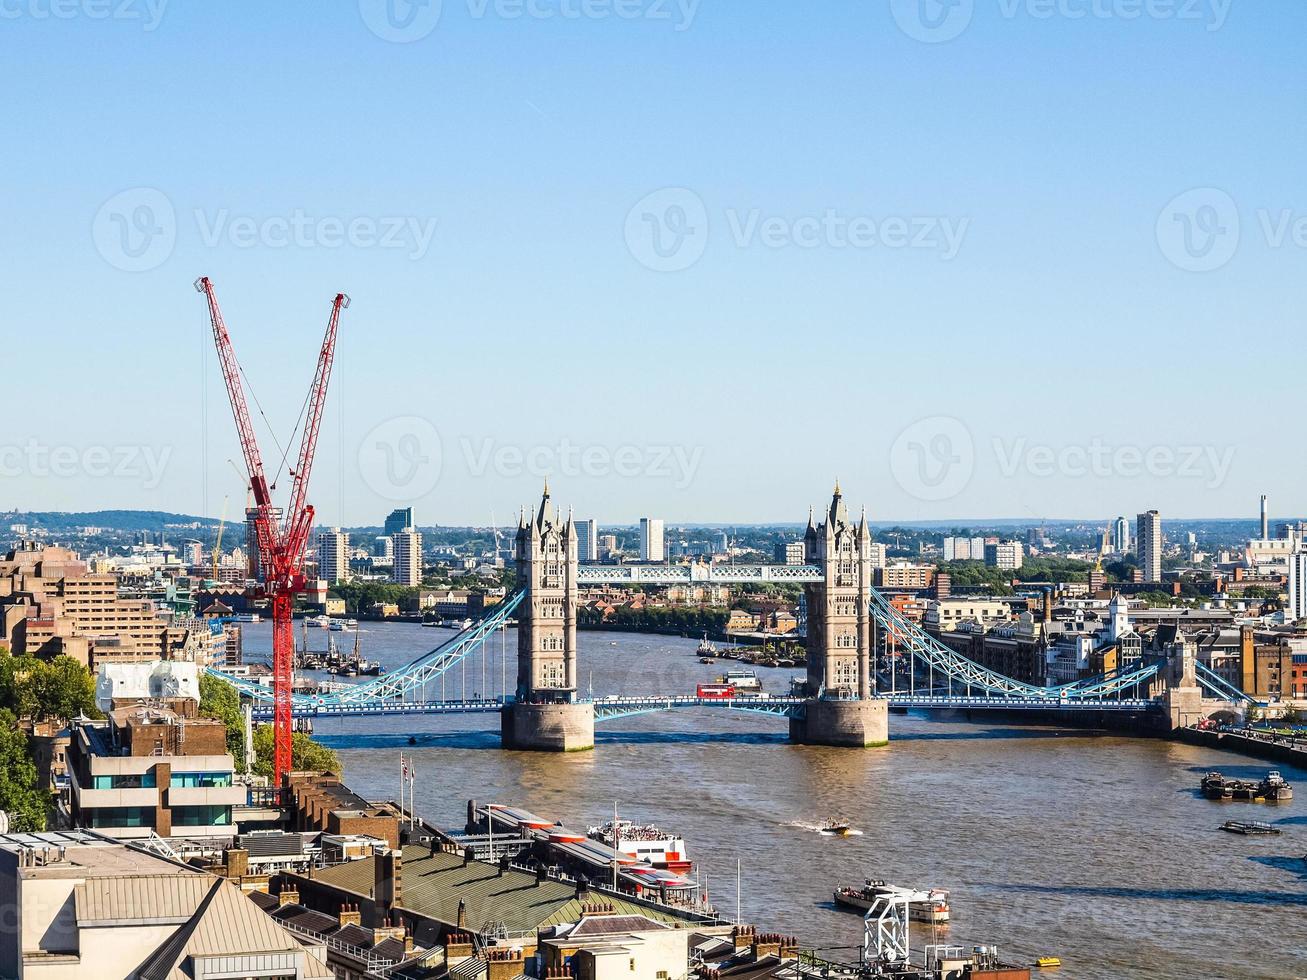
{"x":281,"y":545}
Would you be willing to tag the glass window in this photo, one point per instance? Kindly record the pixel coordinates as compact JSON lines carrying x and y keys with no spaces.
{"x":200,"y":780}
{"x":201,"y":816}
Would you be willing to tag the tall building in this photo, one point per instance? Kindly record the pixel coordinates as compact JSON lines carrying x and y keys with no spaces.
{"x":651,"y":539}
{"x":408,"y":558}
{"x":788,"y":553}
{"x":399,"y":519}
{"x":333,"y":556}
{"x":252,"y":540}
{"x":1297,"y":608}
{"x":1121,"y":535}
{"x":587,"y":541}
{"x":1007,"y":555}
{"x":1148,"y":537}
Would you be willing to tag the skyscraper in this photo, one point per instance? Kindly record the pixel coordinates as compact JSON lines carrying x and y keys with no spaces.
{"x":587,"y":541}
{"x":1121,"y":535}
{"x":399,"y":519}
{"x":1148,"y":537}
{"x":408,"y":558}
{"x":651,"y":539}
{"x":1297,"y":608}
{"x":333,"y":556}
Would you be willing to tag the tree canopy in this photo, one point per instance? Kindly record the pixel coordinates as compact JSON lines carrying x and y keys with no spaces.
{"x":304,"y":753}
{"x":219,"y":700}
{"x":46,"y":690}
{"x":21,"y":796}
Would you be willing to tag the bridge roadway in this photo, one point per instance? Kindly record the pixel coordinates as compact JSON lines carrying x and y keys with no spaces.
{"x":623,"y":706}
{"x":709,"y":573}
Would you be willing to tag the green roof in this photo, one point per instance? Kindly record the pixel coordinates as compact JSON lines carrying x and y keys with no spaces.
{"x":433,"y":885}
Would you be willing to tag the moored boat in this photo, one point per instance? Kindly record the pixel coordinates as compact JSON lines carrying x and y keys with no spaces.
{"x":934,"y":910}
{"x":1274,"y":788}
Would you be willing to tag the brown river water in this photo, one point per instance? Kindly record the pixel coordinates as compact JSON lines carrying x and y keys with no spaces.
{"x":1095,"y":848}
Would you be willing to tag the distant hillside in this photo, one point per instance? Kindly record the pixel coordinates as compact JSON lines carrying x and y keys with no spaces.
{"x":117,"y":520}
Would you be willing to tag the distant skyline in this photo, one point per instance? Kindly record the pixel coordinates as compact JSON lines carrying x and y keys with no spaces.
{"x":691,"y":260}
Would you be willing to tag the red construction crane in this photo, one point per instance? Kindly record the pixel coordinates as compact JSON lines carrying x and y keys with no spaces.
{"x":281,"y":546}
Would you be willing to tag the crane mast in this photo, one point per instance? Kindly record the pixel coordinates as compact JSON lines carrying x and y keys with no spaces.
{"x":281,"y":548}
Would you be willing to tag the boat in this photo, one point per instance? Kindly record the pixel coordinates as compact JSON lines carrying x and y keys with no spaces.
{"x":433,"y":623}
{"x":742,"y":680}
{"x":706,"y":647}
{"x":835,"y":827}
{"x":352,"y":624}
{"x":934,"y":909}
{"x":318,"y":622}
{"x":1216,"y":787}
{"x":1274,"y":788}
{"x":336,"y":625}
{"x":707,"y":660}
{"x":1249,"y":828}
{"x":645,"y":842}
{"x":246,"y":617}
{"x":1047,"y":963}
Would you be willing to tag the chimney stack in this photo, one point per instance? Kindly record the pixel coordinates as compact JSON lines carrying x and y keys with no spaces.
{"x":1265,"y":525}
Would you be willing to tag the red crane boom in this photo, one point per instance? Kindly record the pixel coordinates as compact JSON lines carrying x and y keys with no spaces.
{"x":281,"y":549}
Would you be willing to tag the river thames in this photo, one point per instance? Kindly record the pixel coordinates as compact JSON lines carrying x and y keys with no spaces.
{"x":1091,"y":847}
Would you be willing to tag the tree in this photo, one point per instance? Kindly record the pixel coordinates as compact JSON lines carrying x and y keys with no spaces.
{"x":219,"y":700}
{"x":64,"y":690}
{"x":21,"y":796}
{"x":305,"y":753}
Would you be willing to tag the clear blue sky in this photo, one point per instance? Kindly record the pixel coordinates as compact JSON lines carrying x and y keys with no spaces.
{"x":1064,"y":323}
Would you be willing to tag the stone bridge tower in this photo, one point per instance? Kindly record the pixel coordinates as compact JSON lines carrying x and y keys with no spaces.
{"x":546,"y":715}
{"x":842,"y":709}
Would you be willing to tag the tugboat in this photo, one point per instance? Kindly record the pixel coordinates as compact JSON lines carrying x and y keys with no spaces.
{"x":935,"y":910}
{"x":1274,"y":788}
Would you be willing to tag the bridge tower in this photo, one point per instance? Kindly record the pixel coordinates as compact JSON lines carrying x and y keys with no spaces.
{"x":546,"y":716}
{"x":842,"y":709}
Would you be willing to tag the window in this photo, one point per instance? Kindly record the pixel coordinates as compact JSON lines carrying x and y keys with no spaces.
{"x":200,"y":780}
{"x":119,"y":816}
{"x":130,"y":781}
{"x":201,"y":816}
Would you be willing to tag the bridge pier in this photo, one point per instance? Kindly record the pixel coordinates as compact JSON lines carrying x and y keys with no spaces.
{"x":549,"y":727}
{"x":847,"y":724}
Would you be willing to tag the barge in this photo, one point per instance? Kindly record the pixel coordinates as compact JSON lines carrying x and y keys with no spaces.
{"x":933,"y":909}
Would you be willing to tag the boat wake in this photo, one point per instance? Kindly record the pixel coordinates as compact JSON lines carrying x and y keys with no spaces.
{"x":816,"y":828}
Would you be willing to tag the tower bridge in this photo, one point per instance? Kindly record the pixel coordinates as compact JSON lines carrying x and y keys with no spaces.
{"x":839,"y":703}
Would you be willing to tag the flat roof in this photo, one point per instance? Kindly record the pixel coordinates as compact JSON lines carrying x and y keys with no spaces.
{"x":85,"y":856}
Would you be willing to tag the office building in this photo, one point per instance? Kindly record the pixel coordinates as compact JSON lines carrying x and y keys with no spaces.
{"x":788,"y":553}
{"x":651,"y":539}
{"x":587,"y":541}
{"x":383,"y":548}
{"x":1297,"y":607}
{"x":399,"y":519}
{"x":1007,"y":555}
{"x":1121,"y":535}
{"x":1148,"y":543}
{"x":408,"y":557}
{"x":152,"y":769}
{"x":333,"y":556}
